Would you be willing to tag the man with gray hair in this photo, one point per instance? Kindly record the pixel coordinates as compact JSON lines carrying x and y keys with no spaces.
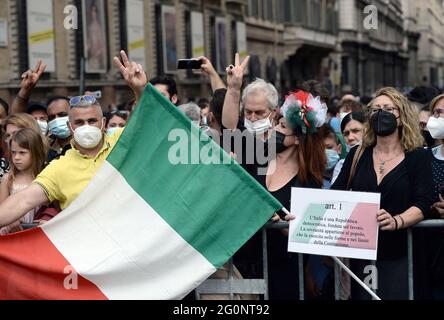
{"x":259,"y":102}
{"x":192,"y":111}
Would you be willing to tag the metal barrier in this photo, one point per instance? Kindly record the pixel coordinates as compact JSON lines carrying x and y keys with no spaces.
{"x":422,"y":224}
{"x":249,"y":286}
{"x":261,"y":285}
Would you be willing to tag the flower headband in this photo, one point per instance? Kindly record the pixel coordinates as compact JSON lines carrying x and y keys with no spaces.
{"x":303,"y":110}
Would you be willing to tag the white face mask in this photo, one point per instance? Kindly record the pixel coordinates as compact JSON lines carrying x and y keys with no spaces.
{"x":349,"y":147}
{"x":259,"y":126}
{"x":88,"y":137}
{"x":43,"y":125}
{"x":436,"y":127}
{"x":205,"y":121}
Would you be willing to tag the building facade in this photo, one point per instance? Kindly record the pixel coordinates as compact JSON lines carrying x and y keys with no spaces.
{"x":430,"y":15}
{"x":293,"y":41}
{"x":373,"y":47}
{"x":167,"y":31}
{"x":333,"y":41}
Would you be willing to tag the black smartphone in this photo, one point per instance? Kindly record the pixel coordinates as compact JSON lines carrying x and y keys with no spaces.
{"x":189,"y":64}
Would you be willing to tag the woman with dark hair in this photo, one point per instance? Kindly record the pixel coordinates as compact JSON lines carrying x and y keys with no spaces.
{"x":392,"y":162}
{"x":299,"y":161}
{"x":115,"y":120}
{"x":352,"y":129}
{"x":296,"y":158}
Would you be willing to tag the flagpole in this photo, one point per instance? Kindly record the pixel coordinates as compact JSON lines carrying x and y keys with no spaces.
{"x":343,"y":266}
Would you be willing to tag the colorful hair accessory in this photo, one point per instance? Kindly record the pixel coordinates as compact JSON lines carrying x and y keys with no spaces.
{"x":303,"y":110}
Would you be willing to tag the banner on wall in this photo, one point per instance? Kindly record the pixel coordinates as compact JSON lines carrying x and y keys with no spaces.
{"x":169,"y":39}
{"x":3,"y":33}
{"x":241,"y":39}
{"x":221,"y":44}
{"x":94,"y":36}
{"x":41,"y":33}
{"x":136,"y":31}
{"x":197,"y":34}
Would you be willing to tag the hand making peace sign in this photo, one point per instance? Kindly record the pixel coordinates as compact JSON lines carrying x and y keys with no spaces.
{"x":133,"y":73}
{"x":235,"y":74}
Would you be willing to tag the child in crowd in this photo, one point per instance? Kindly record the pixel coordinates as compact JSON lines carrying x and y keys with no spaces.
{"x":27,"y":158}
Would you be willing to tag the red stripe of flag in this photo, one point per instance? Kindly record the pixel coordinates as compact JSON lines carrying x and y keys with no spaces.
{"x":31,"y":267}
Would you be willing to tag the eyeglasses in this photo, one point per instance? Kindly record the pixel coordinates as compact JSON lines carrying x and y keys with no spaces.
{"x":82,"y":101}
{"x":374,"y":110}
{"x":438,"y":113}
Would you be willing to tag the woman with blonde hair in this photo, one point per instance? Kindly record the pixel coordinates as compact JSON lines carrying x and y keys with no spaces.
{"x":391,"y":162}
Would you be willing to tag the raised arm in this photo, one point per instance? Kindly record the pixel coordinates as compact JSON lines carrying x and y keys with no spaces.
{"x":133,"y":74}
{"x":209,"y":71}
{"x":30,"y":79}
{"x":20,"y":203}
{"x":235,"y":76}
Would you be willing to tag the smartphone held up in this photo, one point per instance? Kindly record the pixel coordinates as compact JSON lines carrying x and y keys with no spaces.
{"x":189,"y":64}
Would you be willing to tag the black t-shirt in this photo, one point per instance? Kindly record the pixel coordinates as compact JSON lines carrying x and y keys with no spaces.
{"x":408,"y":184}
{"x":282,"y":265}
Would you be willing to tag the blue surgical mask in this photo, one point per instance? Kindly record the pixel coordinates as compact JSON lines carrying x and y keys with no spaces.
{"x":332,"y":158}
{"x":111,"y":131}
{"x":59,"y":128}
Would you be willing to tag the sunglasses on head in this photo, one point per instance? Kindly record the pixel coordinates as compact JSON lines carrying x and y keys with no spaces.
{"x":82,"y":101}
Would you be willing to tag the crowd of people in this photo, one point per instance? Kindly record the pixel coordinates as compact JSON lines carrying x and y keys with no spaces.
{"x":389,"y":143}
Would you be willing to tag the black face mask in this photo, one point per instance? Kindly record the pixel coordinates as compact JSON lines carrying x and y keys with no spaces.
{"x":383,"y":123}
{"x":430,"y":141}
{"x":277,"y":139}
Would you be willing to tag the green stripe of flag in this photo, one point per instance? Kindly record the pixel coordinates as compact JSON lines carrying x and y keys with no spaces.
{"x":215,"y":208}
{"x":307,"y":226}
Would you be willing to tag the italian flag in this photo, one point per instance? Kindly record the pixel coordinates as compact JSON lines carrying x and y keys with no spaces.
{"x":145,"y":227}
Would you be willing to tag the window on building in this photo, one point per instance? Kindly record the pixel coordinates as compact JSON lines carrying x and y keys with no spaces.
{"x":22,"y":36}
{"x":344,"y":74}
{"x":189,"y":43}
{"x":123,"y":25}
{"x":253,"y":8}
{"x":159,"y":42}
{"x":267,"y":10}
{"x":287,"y":11}
{"x":299,"y":11}
{"x":315,"y":14}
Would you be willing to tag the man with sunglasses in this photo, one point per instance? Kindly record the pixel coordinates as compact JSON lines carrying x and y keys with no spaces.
{"x":63,"y":180}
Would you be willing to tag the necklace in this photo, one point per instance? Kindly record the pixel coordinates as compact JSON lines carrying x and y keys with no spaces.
{"x":383,"y":162}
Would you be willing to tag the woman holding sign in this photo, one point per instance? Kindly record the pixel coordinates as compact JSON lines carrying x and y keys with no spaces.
{"x":393,"y":163}
{"x":296,"y":159}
